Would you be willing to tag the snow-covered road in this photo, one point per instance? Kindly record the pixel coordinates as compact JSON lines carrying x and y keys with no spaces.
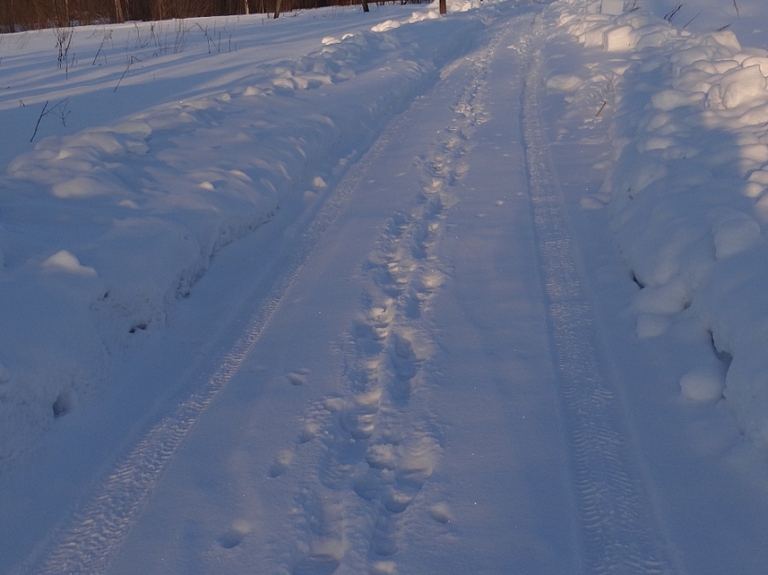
{"x":430,"y":357}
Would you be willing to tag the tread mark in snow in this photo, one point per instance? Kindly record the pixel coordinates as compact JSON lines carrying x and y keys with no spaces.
{"x":92,"y":538}
{"x":620,"y":532}
{"x":375,"y":443}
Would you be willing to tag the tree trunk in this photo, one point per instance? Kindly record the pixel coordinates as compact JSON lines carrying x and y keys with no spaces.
{"x":443,"y":7}
{"x":277,"y":8}
{"x":365,"y":6}
{"x":119,"y":16}
{"x":246,"y":9}
{"x":63,"y":14}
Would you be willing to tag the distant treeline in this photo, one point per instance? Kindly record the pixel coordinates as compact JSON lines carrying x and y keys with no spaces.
{"x":18,"y":15}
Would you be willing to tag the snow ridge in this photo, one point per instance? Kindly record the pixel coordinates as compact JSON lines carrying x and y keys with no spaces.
{"x":620,"y":531}
{"x":688,"y":196}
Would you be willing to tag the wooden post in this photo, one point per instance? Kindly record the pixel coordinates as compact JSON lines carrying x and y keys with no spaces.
{"x":443,"y":7}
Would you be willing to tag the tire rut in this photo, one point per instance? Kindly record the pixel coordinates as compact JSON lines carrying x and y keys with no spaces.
{"x":620,"y":531}
{"x":89,"y":541}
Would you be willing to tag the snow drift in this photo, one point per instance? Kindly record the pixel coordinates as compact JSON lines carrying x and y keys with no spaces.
{"x":688,"y":192}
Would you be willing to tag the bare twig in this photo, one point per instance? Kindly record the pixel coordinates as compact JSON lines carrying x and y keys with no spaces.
{"x":180,"y":41}
{"x":61,"y":111}
{"x":107,"y":36}
{"x":144,"y":42}
{"x":40,"y":117}
{"x":127,"y":67}
{"x":672,"y":13}
{"x":691,"y":20}
{"x":737,"y":9}
{"x":601,"y":108}
{"x":63,"y":43}
{"x":211,"y":39}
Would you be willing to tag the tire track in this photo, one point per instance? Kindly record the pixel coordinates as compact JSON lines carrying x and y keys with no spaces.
{"x":89,"y":541}
{"x":620,"y":532}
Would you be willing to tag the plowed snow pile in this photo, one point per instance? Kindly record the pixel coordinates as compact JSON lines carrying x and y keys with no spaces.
{"x":688,"y":192}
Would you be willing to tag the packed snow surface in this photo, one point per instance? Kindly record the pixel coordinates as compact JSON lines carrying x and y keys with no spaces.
{"x":388,"y":293}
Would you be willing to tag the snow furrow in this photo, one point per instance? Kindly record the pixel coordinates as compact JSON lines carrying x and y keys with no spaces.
{"x":619,"y":529}
{"x":375,"y":446}
{"x":91,"y":540}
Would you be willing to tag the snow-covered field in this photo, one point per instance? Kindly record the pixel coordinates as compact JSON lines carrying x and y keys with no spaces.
{"x":388,"y":293}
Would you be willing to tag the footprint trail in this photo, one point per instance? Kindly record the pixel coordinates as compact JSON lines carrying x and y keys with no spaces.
{"x":377,"y":443}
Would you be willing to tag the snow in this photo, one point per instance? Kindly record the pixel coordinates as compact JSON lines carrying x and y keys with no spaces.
{"x":66,"y":262}
{"x":704,"y":383}
{"x":155,"y":196}
{"x":388,"y":293}
{"x":683,"y":187}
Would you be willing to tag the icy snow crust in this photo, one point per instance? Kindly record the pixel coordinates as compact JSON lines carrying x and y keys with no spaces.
{"x":688,"y":192}
{"x":104,"y":230}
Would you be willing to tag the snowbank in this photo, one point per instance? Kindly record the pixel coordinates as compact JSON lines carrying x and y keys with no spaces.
{"x":688,"y":192}
{"x":103,"y":231}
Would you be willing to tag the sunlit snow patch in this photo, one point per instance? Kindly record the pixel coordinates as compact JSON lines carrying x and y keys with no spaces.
{"x":66,"y":262}
{"x":565,"y":82}
{"x":387,"y":25}
{"x":703,"y":383}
